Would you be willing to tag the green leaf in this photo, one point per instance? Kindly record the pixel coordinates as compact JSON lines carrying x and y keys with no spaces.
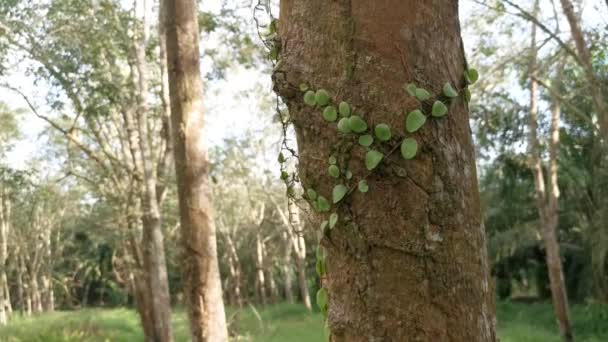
{"x":333,"y":160}
{"x":409,"y":148}
{"x":439,"y":109}
{"x":330,"y":114}
{"x":357,"y":124}
{"x":309,"y":98}
{"x":333,"y":219}
{"x":284,"y":175}
{"x":349,"y":174}
{"x":344,"y":109}
{"x":320,"y":267}
{"x":322,"y":299}
{"x":410,"y":88}
{"x":363,"y":186}
{"x":422,"y":94}
{"x":414,"y":121}
{"x":322,"y":97}
{"x":372,"y":159}
{"x":320,"y":253}
{"x":344,"y":125}
{"x":311,"y":194}
{"x":281,"y":158}
{"x":449,"y":91}
{"x":334,"y":171}
{"x":366,"y":140}
{"x":303,"y":87}
{"x":467,"y":95}
{"x":471,"y":75}
{"x":323,"y":204}
{"x":339,"y":192}
{"x":383,"y":132}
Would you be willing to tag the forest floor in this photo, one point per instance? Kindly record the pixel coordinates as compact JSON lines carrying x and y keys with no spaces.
{"x":518,"y":322}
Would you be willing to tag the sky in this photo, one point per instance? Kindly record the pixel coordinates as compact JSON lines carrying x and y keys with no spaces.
{"x":230,"y":103}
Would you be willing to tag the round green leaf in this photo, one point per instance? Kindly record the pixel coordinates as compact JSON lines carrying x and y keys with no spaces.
{"x":357,"y":124}
{"x":303,"y":87}
{"x":349,"y":174}
{"x":471,"y":75}
{"x":383,"y":132}
{"x":322,"y":97}
{"x":323,"y":204}
{"x":344,"y":109}
{"x":309,"y":98}
{"x":311,"y":194}
{"x":363,"y":186}
{"x":410,"y":88}
{"x":330,"y":114}
{"x":324,"y":225}
{"x":422,"y":94}
{"x":439,"y":109}
{"x":334,"y":171}
{"x":333,"y":219}
{"x":449,"y":91}
{"x":322,"y":299}
{"x":372,"y":159}
{"x":414,"y":121}
{"x":366,"y":140}
{"x":281,"y":158}
{"x":344,"y":125}
{"x":284,"y":175}
{"x":409,"y":148}
{"x":333,"y":160}
{"x":339,"y":192}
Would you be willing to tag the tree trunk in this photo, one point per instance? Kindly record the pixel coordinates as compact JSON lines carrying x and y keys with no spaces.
{"x":547,"y":201}
{"x":4,"y":231}
{"x":235,"y":271}
{"x":286,"y":266}
{"x":198,"y":234}
{"x":154,"y":251}
{"x":260,"y":279}
{"x":411,"y":264}
{"x":595,"y":86}
{"x":299,"y":247}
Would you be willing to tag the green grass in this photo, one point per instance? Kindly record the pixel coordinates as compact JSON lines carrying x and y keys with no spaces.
{"x":518,"y":322}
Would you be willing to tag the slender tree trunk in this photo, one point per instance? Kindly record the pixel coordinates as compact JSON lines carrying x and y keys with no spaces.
{"x":235,"y":271}
{"x":547,"y":201}
{"x":260,"y":279}
{"x":4,"y":231}
{"x":412,"y":263}
{"x":299,"y":247}
{"x":286,"y":265}
{"x":595,"y":86}
{"x":154,"y":251}
{"x":198,"y":234}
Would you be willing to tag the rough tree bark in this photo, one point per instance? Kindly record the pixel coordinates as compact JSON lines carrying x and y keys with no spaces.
{"x":547,"y":199}
{"x":202,"y":283}
{"x":152,"y":240}
{"x":414,"y":265}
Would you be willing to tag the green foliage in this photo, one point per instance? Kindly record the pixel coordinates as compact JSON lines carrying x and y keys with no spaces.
{"x":333,"y":219}
{"x":339,"y":192}
{"x":414,"y":121}
{"x":344,"y":109}
{"x":410,"y":89}
{"x":357,"y":124}
{"x":383,"y":132}
{"x":334,"y":171}
{"x":322,"y":97}
{"x":409,"y":148}
{"x":323,"y":204}
{"x":422,"y":94}
{"x":312,"y":195}
{"x":471,"y":76}
{"x":366,"y":140}
{"x":344,"y":125}
{"x":449,"y":91}
{"x":333,"y":160}
{"x":363,"y":186}
{"x":330,"y":114}
{"x":309,"y":98}
{"x":322,"y":300}
{"x":439,"y":109}
{"x":373,"y":159}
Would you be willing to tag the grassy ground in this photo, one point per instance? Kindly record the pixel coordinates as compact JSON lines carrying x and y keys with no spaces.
{"x":286,"y":323}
